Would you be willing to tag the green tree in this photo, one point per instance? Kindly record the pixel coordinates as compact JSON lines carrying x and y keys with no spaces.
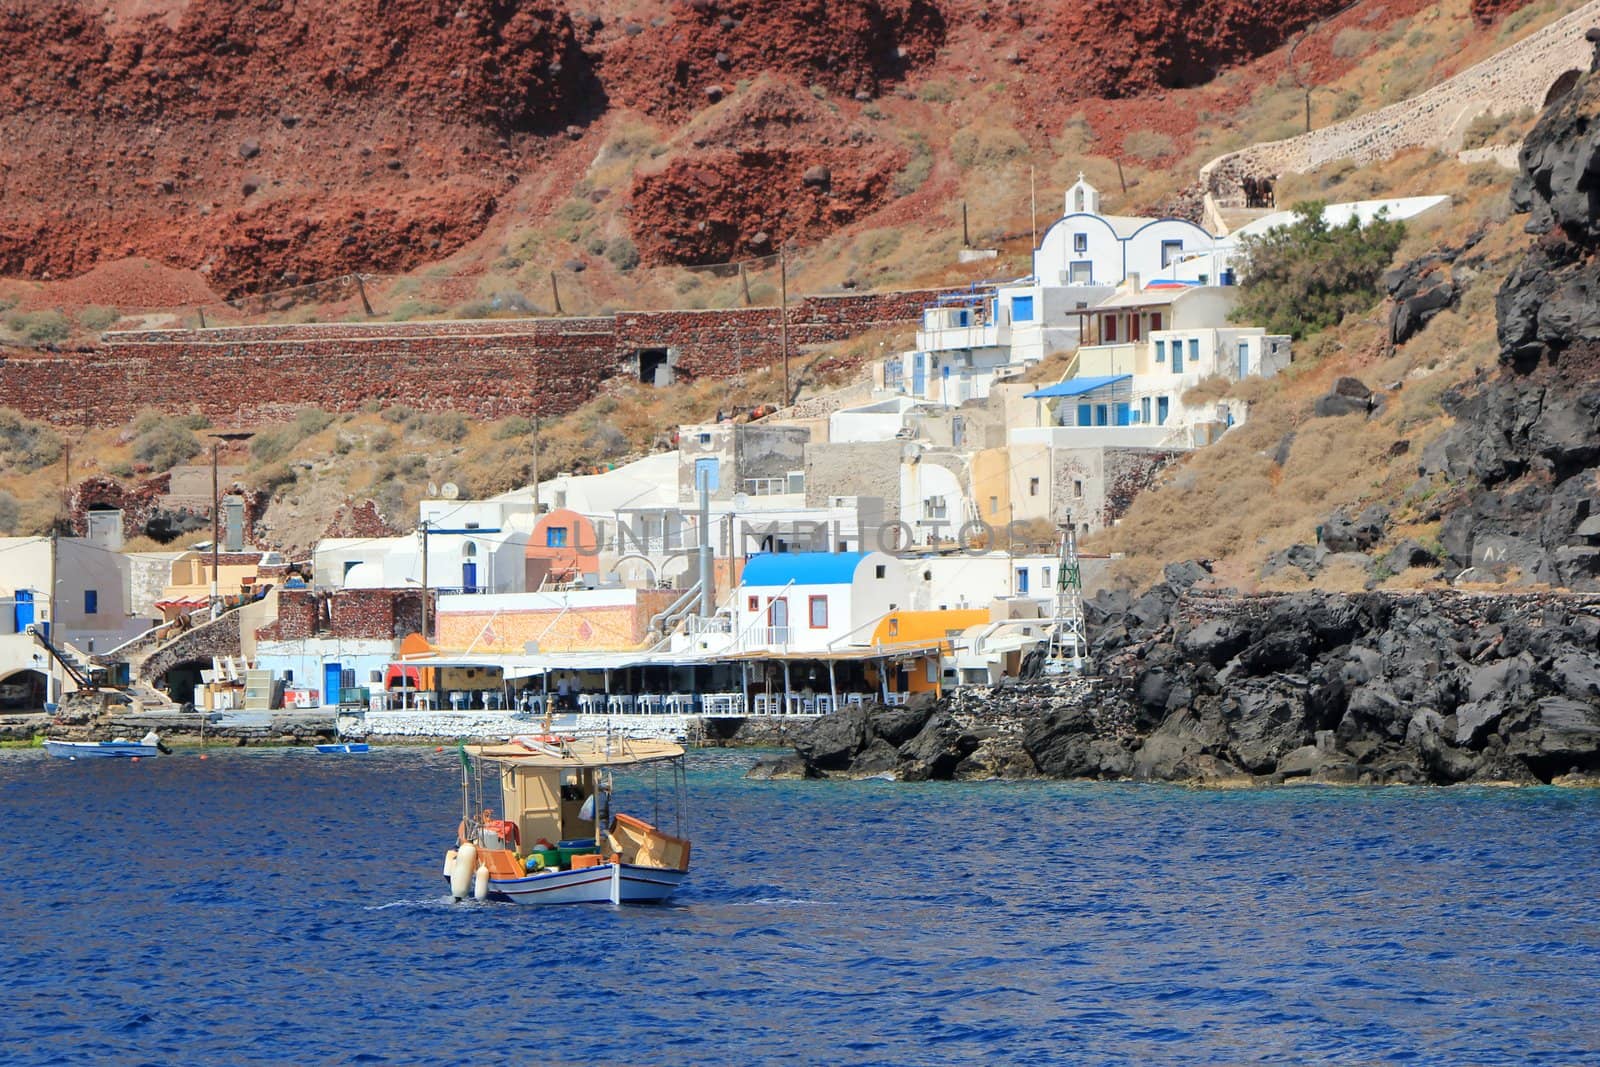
{"x":1308,"y":275}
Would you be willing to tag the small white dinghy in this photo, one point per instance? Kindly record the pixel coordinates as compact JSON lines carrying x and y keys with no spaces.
{"x":559,"y":842}
{"x":149,"y":745}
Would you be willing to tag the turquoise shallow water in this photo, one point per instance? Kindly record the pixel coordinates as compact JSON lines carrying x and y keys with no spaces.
{"x":285,"y":907}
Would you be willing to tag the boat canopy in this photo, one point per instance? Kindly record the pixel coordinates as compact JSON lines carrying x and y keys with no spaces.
{"x":576,"y":754}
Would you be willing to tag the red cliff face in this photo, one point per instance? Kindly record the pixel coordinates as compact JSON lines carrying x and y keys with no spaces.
{"x":268,"y":142}
{"x":1119,"y":48}
{"x":269,"y":138}
{"x":779,"y":165}
{"x":706,"y":46}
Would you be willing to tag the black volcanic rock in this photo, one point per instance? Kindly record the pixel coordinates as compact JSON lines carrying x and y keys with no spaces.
{"x":1527,"y":443}
{"x":1367,"y":688}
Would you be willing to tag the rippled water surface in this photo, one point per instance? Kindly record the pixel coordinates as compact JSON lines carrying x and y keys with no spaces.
{"x":285,"y":907}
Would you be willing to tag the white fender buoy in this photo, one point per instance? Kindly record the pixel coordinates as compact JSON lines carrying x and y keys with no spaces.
{"x":449,"y":863}
{"x":461,"y":877}
{"x":480,"y":885}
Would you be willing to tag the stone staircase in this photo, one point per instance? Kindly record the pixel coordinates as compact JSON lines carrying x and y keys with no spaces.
{"x":139,"y":651}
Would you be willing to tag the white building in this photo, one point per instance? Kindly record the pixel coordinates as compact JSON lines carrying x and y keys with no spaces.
{"x":816,"y":601}
{"x":969,"y":340}
{"x":648,"y":482}
{"x":1085,"y":248}
{"x":473,"y":546}
{"x":79,"y":591}
{"x":1154,"y":346}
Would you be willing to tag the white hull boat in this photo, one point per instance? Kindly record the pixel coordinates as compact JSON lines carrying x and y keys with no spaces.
{"x":147,"y":746}
{"x":558,"y":840}
{"x":613,"y":883}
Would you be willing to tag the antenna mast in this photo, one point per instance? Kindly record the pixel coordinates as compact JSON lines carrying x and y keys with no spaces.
{"x":1069,"y":643}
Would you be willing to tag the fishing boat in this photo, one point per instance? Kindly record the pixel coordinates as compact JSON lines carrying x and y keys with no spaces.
{"x":149,"y":745}
{"x":557,"y":839}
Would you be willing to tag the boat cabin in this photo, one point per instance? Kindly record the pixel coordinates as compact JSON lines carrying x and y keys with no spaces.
{"x":544,"y":789}
{"x":546,"y":803}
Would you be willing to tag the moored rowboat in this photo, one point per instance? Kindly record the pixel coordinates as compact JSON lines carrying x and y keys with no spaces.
{"x":149,"y":745}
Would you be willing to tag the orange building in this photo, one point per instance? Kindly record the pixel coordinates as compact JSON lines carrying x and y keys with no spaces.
{"x":563,"y":549}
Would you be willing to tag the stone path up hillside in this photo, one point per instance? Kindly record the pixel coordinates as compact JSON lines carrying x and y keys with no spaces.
{"x":1521,"y":76}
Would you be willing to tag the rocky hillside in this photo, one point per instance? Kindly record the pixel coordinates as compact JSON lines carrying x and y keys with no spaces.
{"x":269,"y":142}
{"x":1525,"y":449}
{"x":1218,"y":690}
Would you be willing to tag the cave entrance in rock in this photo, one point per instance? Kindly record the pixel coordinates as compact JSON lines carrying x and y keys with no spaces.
{"x":181,"y":678}
{"x":1562,"y":86}
{"x":654,"y":365}
{"x":23,"y":690}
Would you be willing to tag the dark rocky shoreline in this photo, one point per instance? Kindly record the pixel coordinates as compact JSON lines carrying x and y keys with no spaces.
{"x":1371,"y":688}
{"x":1226,"y":690}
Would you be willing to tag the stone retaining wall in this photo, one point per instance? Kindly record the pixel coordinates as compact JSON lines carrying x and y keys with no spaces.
{"x":492,"y":368}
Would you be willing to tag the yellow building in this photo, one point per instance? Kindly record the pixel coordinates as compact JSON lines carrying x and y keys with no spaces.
{"x":924,"y":630}
{"x":991,"y":486}
{"x":190,"y":584}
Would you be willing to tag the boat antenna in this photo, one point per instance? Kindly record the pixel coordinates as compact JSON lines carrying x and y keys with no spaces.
{"x":466,"y":779}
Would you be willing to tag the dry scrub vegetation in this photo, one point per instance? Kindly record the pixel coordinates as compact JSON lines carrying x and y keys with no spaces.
{"x":1236,"y":504}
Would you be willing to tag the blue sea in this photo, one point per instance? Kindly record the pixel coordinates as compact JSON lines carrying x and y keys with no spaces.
{"x":283,"y":907}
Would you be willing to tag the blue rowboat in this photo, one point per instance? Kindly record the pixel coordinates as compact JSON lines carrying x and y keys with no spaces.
{"x":344,"y":748}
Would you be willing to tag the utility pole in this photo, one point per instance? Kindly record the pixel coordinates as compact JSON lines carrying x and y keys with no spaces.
{"x":423,"y":530}
{"x":1033,"y":208}
{"x":216,"y":530}
{"x":536,"y":466}
{"x":783,"y":317}
{"x":52,"y":689}
{"x":216,"y":515}
{"x":362,"y":290}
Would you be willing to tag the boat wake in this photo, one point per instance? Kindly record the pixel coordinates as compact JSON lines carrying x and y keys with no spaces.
{"x":426,"y":902}
{"x":779,"y":902}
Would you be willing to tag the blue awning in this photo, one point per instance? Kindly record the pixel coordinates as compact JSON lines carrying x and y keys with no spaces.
{"x":802,"y":568}
{"x":1077,"y":386}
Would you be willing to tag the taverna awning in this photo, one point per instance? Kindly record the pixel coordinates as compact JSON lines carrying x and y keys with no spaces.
{"x":534,"y":665}
{"x":1077,"y":386}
